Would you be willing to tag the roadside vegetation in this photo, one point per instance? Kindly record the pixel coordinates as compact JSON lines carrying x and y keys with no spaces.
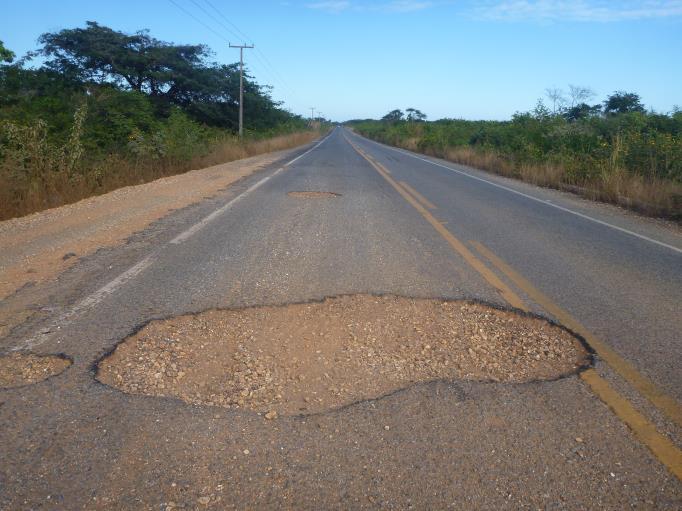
{"x":614,"y":151}
{"x":94,"y":109}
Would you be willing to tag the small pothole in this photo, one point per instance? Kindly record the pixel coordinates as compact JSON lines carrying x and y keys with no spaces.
{"x":19,"y":369}
{"x":311,"y":357}
{"x":311,"y":194}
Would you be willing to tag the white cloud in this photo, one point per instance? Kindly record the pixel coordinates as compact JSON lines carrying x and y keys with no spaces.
{"x":578,"y":10}
{"x":337,"y":6}
{"x":407,"y":5}
{"x":330,"y":6}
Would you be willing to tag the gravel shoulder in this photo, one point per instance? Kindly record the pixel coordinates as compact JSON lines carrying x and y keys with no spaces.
{"x":39,"y":246}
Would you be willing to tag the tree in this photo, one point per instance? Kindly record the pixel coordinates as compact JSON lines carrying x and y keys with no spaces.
{"x":415,"y":115}
{"x":170,"y":75}
{"x":579,"y":94}
{"x":5,"y":54}
{"x":556,"y":96}
{"x":177,"y":73}
{"x":541,"y":112}
{"x":393,"y":116}
{"x":621,"y":102}
{"x":582,"y":111}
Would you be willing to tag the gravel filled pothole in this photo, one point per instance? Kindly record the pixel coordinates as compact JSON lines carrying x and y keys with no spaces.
{"x":20,"y":369}
{"x":313,"y":194}
{"x":311,"y":357}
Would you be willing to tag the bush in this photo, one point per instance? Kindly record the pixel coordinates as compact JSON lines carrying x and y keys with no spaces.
{"x":634,"y":157}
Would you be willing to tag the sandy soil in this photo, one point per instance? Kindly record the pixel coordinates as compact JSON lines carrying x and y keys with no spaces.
{"x":20,"y":369}
{"x":308,"y":358}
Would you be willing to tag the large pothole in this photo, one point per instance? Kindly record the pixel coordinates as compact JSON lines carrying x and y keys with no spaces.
{"x":310,"y":357}
{"x":20,"y":369}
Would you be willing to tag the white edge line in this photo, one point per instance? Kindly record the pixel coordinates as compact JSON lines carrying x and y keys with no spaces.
{"x":541,"y":201}
{"x":86,"y":303}
{"x":99,"y":295}
{"x":183,"y":236}
{"x":212,"y":216}
{"x":309,"y":150}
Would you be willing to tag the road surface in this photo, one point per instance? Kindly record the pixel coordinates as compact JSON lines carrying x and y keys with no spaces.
{"x":401,"y":224}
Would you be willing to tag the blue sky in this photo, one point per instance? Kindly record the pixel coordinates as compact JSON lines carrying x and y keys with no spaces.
{"x":351,"y":59}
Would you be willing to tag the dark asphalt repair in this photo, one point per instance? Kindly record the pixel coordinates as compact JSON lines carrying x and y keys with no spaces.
{"x":70,"y":442}
{"x":313,"y":194}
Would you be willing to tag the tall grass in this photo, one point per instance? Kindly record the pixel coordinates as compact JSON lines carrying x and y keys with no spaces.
{"x":634,"y":161}
{"x":651,"y":196}
{"x":37,"y":173}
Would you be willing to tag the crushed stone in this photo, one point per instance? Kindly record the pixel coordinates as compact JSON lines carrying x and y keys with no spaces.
{"x":311,"y":357}
{"x":19,"y":369}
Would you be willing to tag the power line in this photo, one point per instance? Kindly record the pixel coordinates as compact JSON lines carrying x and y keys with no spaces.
{"x":215,"y":20}
{"x":246,"y":37}
{"x":281,"y":79}
{"x":265,"y":66}
{"x":221,"y":36}
{"x":197,"y":20}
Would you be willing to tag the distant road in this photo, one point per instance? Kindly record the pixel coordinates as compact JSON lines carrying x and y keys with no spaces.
{"x":401,"y":224}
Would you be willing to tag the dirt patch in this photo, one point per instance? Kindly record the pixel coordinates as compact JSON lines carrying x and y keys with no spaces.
{"x":20,"y":369}
{"x":311,"y":357}
{"x":314,"y":195}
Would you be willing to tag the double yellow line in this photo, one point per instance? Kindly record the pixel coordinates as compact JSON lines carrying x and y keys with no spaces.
{"x":644,"y":430}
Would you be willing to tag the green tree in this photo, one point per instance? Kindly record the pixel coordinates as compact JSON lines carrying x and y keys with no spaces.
{"x":582,"y":111}
{"x":415,"y":115}
{"x":621,"y":102}
{"x":393,"y":116}
{"x":138,"y":61}
{"x":170,"y":75}
{"x":5,"y":54}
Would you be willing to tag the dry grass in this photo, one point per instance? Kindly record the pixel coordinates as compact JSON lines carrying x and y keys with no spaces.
{"x":233,"y":150}
{"x":654,"y":197}
{"x":482,"y":160}
{"x":23,"y":193}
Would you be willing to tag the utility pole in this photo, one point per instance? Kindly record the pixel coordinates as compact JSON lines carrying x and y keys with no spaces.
{"x":312,"y":114}
{"x":241,"y":84}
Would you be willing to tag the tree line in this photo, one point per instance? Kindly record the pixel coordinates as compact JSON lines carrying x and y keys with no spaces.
{"x":93,"y":108}
{"x":127,"y":71}
{"x":615,"y":150}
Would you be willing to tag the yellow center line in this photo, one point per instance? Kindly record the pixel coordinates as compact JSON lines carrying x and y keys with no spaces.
{"x":425,"y":202}
{"x":659,"y":444}
{"x":644,"y":386}
{"x":510,"y":296}
{"x":661,"y":447}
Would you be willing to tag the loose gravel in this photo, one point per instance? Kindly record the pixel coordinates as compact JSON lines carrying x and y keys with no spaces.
{"x":20,"y":369}
{"x":311,"y":357}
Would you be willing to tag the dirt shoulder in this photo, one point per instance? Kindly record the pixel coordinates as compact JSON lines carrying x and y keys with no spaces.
{"x":38,"y":247}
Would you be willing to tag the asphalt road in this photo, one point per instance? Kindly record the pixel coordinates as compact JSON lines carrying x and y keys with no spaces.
{"x":73,"y":443}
